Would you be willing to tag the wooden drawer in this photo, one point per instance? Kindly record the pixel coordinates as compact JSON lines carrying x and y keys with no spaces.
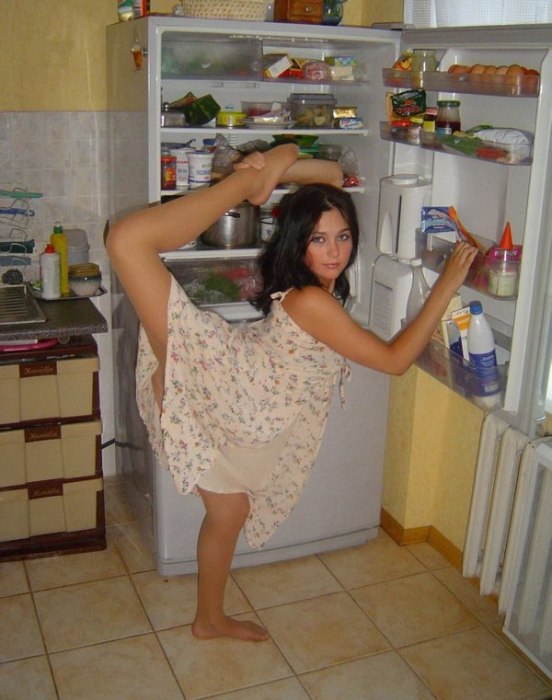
{"x":300,"y":11}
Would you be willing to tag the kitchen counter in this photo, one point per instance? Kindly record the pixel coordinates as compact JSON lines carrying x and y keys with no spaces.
{"x":64,"y":318}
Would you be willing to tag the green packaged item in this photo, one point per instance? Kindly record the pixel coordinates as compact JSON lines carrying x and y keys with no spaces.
{"x":201,"y":111}
{"x":409,"y":102}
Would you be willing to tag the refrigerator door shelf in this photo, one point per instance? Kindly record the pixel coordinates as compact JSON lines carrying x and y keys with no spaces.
{"x":465,"y":83}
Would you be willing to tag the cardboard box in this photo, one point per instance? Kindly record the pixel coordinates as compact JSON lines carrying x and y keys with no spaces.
{"x":47,"y":507}
{"x":48,"y":389}
{"x":50,"y":451}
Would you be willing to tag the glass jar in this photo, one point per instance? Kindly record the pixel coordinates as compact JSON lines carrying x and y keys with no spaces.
{"x":423,"y":60}
{"x":333,"y":12}
{"x":448,"y":117}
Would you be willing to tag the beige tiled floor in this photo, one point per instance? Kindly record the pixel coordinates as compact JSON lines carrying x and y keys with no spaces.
{"x":374,"y":622}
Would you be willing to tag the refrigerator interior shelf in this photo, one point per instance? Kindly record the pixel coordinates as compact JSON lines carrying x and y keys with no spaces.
{"x":212,"y":131}
{"x":476,"y":84}
{"x":279,"y":191}
{"x":494,"y":152}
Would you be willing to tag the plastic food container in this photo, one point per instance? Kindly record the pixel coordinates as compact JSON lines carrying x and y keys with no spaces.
{"x":84,"y":279}
{"x":255,"y":109}
{"x":231,"y":119}
{"x":312,"y":111}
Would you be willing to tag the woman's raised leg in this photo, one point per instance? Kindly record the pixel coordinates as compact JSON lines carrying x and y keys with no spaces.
{"x":224,"y":518}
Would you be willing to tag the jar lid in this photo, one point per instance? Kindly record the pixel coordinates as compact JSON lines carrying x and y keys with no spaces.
{"x":431,"y":112}
{"x":84,"y":270}
{"x":448,"y":103}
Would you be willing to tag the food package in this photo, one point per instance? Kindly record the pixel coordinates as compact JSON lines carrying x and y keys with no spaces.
{"x":409,"y":102}
{"x":201,"y":111}
{"x":274,"y":64}
{"x":517,"y":143}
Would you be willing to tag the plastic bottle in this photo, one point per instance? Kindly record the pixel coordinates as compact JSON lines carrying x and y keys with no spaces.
{"x":50,"y":273}
{"x":419,"y":291}
{"x":59,"y":240}
{"x":481,"y":345}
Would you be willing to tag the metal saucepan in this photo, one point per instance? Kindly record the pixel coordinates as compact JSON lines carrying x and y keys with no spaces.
{"x":237,"y":228}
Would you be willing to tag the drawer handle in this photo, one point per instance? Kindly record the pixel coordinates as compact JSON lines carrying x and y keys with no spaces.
{"x":308,"y":9}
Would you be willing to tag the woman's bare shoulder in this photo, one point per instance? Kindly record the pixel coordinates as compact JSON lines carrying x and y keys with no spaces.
{"x":313,"y":307}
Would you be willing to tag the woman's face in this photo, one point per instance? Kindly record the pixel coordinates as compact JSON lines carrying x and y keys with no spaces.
{"x":329,"y":248}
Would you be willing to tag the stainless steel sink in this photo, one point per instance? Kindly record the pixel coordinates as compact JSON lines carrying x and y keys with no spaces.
{"x":18,"y":306}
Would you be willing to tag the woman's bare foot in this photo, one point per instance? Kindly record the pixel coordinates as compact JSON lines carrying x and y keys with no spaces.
{"x":229,"y":627}
{"x":276,"y":162}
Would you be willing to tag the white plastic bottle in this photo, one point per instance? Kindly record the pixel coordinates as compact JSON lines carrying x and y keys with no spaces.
{"x":481,"y":345}
{"x":419,"y":291}
{"x":50,"y":273}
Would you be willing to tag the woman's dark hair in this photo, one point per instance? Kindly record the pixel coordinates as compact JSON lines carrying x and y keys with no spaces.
{"x":282,"y":262}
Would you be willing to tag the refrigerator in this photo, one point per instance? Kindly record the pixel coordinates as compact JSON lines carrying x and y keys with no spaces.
{"x":486,"y":192}
{"x":227,"y":60}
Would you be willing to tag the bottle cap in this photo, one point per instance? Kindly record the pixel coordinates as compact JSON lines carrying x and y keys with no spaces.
{"x":58,"y":228}
{"x":416,"y":262}
{"x":475,"y":308}
{"x":49,"y":248}
{"x":506,"y":240}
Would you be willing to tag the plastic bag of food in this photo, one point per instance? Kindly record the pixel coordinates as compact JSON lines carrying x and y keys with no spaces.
{"x":517,"y":144}
{"x":409,"y":102}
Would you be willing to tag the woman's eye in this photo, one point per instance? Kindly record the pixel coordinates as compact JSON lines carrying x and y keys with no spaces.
{"x":317,"y":239}
{"x":344,"y":236}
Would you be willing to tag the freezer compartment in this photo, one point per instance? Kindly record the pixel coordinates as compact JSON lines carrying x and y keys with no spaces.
{"x":210,"y":56}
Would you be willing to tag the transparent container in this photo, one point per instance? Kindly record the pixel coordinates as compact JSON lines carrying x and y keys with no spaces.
{"x":504,"y":274}
{"x":423,"y":60}
{"x":448,"y":117}
{"x":312,"y":111}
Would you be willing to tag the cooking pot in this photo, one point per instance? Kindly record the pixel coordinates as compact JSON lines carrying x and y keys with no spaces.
{"x":236,"y":228}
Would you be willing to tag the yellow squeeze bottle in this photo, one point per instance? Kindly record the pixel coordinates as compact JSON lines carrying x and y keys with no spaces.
{"x":59,"y":240}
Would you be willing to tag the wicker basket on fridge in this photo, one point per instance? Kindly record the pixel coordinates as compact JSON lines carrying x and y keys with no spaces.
{"x":252,"y":10}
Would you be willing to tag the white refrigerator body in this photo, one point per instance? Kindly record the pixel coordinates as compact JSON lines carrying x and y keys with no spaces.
{"x":341,"y":503}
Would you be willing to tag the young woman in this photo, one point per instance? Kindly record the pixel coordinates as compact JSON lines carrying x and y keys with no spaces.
{"x":237,"y":413}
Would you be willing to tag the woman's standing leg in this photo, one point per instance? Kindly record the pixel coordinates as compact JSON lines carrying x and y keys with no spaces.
{"x":224,"y":519}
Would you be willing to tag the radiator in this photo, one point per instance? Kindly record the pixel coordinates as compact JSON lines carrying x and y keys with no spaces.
{"x":509,"y":538}
{"x":496,"y":476}
{"x":527,"y":576}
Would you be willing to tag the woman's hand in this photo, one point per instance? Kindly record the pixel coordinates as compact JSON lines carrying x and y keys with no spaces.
{"x":457,"y":266}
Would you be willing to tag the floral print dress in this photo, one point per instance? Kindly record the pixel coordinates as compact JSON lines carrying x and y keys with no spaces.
{"x":244,"y":406}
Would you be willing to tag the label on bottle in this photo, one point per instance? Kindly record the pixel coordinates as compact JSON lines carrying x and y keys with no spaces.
{"x":486,"y":381}
{"x":484,"y":362}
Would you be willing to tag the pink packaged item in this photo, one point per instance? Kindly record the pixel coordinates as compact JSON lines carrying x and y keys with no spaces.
{"x":317,"y":70}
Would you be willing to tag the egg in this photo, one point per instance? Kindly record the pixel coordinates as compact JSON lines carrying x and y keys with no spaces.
{"x":514,"y":69}
{"x":458,"y":68}
{"x":490,"y":70}
{"x":501,"y":70}
{"x":477,"y":71}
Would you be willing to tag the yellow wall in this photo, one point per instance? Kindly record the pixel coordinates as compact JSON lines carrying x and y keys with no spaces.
{"x":431,"y":455}
{"x":53,"y":51}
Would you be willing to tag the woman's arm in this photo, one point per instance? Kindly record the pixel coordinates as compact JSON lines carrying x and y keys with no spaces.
{"x":318,"y":313}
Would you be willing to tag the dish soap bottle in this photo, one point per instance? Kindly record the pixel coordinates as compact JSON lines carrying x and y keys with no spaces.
{"x":49,"y":273}
{"x":419,"y":291}
{"x":59,"y":240}
{"x":481,"y":345}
